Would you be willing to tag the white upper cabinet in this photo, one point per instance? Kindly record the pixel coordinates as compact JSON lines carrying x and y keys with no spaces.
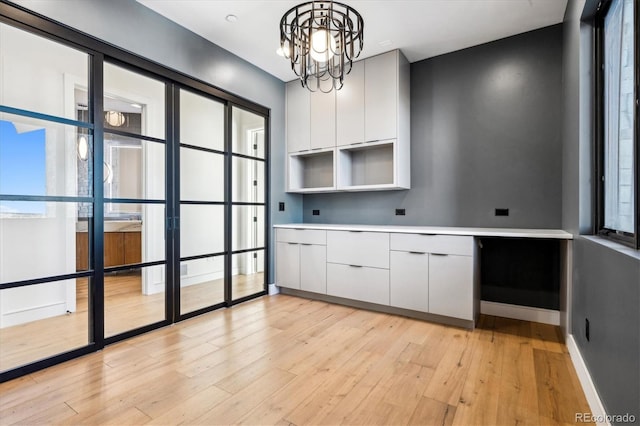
{"x":323,"y":120}
{"x":355,"y":138}
{"x":298,"y":117}
{"x":350,"y":107}
{"x":381,"y":91}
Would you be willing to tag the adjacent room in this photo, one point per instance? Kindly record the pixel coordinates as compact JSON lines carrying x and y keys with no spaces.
{"x":314,"y":213}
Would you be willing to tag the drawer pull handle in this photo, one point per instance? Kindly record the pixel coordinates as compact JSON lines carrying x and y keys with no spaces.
{"x":417,"y":252}
{"x":306,"y":244}
{"x":356,"y":266}
{"x":439,"y":254}
{"x":428,"y":235}
{"x":293,"y":244}
{"x":355,"y":231}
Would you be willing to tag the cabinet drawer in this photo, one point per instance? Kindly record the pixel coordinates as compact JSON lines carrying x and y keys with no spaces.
{"x":302,"y":236}
{"x":358,"y":248}
{"x":443,"y":244}
{"x":358,"y":283}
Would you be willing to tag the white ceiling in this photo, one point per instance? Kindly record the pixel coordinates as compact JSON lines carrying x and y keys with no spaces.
{"x":420,"y":28}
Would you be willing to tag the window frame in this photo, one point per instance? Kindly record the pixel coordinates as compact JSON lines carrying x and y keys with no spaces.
{"x":628,"y":239}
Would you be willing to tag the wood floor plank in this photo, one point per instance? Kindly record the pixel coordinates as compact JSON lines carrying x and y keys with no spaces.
{"x":554,"y":402}
{"x":235,"y":407}
{"x":450,"y":374}
{"x":432,"y":412}
{"x":189,"y":409}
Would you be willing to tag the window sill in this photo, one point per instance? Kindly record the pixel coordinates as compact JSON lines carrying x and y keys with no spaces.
{"x":620,"y":248}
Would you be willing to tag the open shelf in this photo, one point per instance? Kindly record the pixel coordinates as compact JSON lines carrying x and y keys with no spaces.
{"x":312,"y":171}
{"x":367,"y":166}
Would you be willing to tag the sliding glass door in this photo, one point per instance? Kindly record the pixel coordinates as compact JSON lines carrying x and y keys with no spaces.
{"x":248,"y":203}
{"x":202,"y":202}
{"x":131,"y":197}
{"x":134,"y":184}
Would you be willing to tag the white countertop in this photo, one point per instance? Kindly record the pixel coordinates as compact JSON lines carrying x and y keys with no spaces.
{"x":442,"y":230}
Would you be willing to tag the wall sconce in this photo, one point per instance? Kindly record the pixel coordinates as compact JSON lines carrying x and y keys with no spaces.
{"x":114,"y":118}
{"x":83,"y":148}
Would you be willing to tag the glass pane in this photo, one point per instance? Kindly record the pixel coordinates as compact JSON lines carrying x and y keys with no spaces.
{"x":248,"y":227}
{"x":201,"y":121}
{"x":248,"y":180}
{"x":133,"y":299}
{"x":248,"y":274}
{"x":201,"y":229}
{"x":198,"y":167}
{"x":619,"y":95}
{"x":201,"y":283}
{"x":133,"y":102}
{"x":133,"y":233}
{"x":38,"y":239}
{"x":247,"y":133}
{"x":133,"y":168}
{"x":41,"y":75}
{"x":42,"y":320}
{"x":43,"y":158}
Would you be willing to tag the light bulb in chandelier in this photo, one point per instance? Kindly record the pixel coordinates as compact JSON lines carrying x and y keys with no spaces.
{"x":323,"y":46}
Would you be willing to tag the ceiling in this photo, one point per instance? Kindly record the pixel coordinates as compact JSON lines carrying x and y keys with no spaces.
{"x":420,"y":28}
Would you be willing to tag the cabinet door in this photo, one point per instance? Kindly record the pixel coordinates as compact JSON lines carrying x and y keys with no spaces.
{"x":451,"y":286}
{"x":350,"y":107}
{"x":113,"y":249}
{"x":288,"y":265}
{"x":132,"y":247}
{"x":323,"y":120}
{"x":358,"y":283}
{"x":313,"y":268}
{"x":298,"y":117}
{"x":381,"y":97}
{"x":409,"y":286}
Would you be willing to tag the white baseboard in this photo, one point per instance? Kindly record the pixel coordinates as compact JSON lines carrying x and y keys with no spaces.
{"x":597,"y":409}
{"x":525,"y":313}
{"x":273,"y":289}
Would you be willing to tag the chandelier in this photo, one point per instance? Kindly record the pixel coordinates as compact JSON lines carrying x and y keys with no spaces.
{"x":321,"y":39}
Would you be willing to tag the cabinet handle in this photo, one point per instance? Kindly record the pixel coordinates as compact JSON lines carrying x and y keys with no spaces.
{"x":439,"y":254}
{"x":356,"y":266}
{"x":417,"y":252}
{"x":293,"y":244}
{"x":306,"y":244}
{"x":355,"y":231}
{"x":427,"y":235}
{"x":315,"y":149}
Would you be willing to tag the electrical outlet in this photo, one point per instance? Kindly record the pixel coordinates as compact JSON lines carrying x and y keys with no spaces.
{"x":586,"y":329}
{"x":400,"y":212}
{"x":281,"y":206}
{"x":316,"y":212}
{"x":502,"y":212}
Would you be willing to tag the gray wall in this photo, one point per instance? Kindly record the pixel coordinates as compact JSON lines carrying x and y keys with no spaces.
{"x":133,"y":27}
{"x":486,"y":127}
{"x":606,"y":282}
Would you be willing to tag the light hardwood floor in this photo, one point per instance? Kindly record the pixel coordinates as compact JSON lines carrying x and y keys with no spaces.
{"x":126,"y":308}
{"x":287,"y":360}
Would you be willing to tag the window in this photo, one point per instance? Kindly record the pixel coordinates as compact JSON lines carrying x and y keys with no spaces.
{"x":617,"y":160}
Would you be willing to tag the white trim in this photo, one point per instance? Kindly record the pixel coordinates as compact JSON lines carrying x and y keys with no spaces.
{"x":526,"y":313}
{"x":273,"y":289}
{"x":589,"y":389}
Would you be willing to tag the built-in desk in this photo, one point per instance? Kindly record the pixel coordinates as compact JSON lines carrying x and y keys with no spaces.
{"x":428,"y":272}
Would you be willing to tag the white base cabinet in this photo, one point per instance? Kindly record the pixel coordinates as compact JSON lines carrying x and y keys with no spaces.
{"x":358,"y":283}
{"x":425,"y":273}
{"x":288,"y":264}
{"x":450,"y":289}
{"x":313,"y":268}
{"x":301,"y":259}
{"x":409,"y":287}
